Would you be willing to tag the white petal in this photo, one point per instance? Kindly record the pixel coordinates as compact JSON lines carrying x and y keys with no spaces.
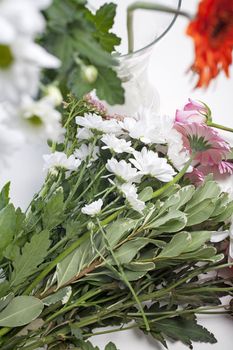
{"x":219,"y":236}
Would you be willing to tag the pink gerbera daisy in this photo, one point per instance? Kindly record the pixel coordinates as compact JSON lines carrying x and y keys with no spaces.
{"x":196,"y":177}
{"x":207,"y":145}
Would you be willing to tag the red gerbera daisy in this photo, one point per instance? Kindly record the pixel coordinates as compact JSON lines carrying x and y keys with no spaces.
{"x":212,"y":31}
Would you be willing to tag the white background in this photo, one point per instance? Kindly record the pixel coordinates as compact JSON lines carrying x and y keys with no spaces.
{"x":170,"y":60}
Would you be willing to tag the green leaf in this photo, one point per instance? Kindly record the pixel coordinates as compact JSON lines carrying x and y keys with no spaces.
{"x":198,"y":239}
{"x":86,"y":345}
{"x":172,"y":221}
{"x":4,"y":196}
{"x":4,"y":301}
{"x":53,"y":211}
{"x":33,"y":254}
{"x":184,"y":329}
{"x":118,"y":229}
{"x":209,"y":190}
{"x":74,"y":263}
{"x":109,"y":87}
{"x":87,"y":46}
{"x":226,"y":214}
{"x":199,"y":212}
{"x":104,"y":17}
{"x":176,"y":246}
{"x":61,"y":295}
{"x":78,"y":86}
{"x":128,"y":250}
{"x":110,"y":346}
{"x":7,"y":226}
{"x":108,"y":41}
{"x":21,"y":311}
{"x":179,"y":199}
{"x":146,"y":194}
{"x":203,"y":254}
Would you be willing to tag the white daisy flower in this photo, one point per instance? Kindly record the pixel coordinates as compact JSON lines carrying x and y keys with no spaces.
{"x":147,"y":126}
{"x":123,"y":170}
{"x":20,"y":63}
{"x":130,"y":193}
{"x":95,"y":122}
{"x":84,"y":134}
{"x":86,"y":151}
{"x":36,"y":119}
{"x":175,"y":151}
{"x":25,"y":15}
{"x":115,"y":144}
{"x":92,"y":209}
{"x":149,"y":163}
{"x":60,"y":160}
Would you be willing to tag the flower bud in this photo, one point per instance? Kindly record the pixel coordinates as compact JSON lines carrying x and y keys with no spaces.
{"x":89,"y":74}
{"x":54,"y":95}
{"x":90,"y":226}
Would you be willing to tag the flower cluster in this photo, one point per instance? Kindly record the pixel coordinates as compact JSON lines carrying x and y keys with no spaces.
{"x":21,"y":62}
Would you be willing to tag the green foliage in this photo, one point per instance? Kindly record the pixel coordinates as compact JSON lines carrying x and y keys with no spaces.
{"x":4,"y":196}
{"x":184,"y":329}
{"x":8,"y":227}
{"x":80,"y":38}
{"x":20,"y":311}
{"x":33,"y":254}
{"x":53,"y":211}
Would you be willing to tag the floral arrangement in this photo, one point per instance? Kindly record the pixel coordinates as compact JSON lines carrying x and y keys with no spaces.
{"x":132,"y":227}
{"x":116,"y":224}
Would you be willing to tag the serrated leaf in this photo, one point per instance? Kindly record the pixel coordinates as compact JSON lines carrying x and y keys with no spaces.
{"x":184,"y":329}
{"x":21,"y":311}
{"x":33,"y":254}
{"x":199,"y":212}
{"x":109,"y":86}
{"x":108,"y":41}
{"x":53,"y":211}
{"x":176,"y":246}
{"x":4,"y":196}
{"x":86,"y":345}
{"x":104,"y":17}
{"x":87,"y":46}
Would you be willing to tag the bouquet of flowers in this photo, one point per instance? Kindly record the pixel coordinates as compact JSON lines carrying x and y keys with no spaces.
{"x":126,"y":230}
{"x":117,"y":235}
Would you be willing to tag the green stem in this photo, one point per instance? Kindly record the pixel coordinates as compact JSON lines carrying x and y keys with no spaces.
{"x":125,"y":279}
{"x":140,"y":5}
{"x":175,"y":179}
{"x":219,"y":126}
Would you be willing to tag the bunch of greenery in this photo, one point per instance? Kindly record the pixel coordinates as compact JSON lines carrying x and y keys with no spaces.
{"x":64,"y":274}
{"x":83,"y":41}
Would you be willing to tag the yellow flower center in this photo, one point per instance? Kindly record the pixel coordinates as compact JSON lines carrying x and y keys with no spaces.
{"x":34,"y":120}
{"x":6,"y":56}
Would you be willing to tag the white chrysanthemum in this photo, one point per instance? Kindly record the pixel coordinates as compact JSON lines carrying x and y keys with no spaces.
{"x":36,"y":119}
{"x":10,"y":141}
{"x":93,"y":209}
{"x":84,"y":134}
{"x":95,"y":122}
{"x":149,"y":163}
{"x":123,"y":170}
{"x":175,"y":152}
{"x":130,"y":193}
{"x":147,"y":127}
{"x":24,"y":15}
{"x":115,"y":144}
{"x":20,"y":63}
{"x":86,"y":151}
{"x":60,"y":160}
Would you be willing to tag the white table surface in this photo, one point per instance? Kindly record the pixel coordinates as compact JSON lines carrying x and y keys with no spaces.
{"x":170,"y":60}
